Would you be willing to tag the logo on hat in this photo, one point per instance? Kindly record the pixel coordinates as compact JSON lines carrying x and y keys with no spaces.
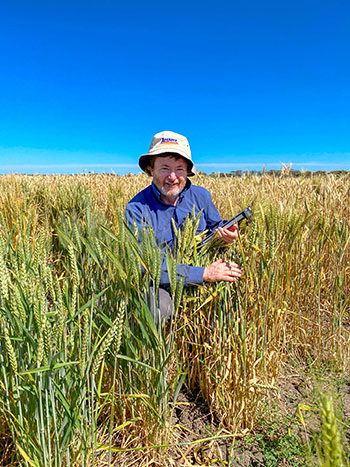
{"x":168,"y":141}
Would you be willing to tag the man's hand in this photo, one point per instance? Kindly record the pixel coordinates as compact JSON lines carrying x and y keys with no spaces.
{"x":228,"y":235}
{"x":222,"y":270}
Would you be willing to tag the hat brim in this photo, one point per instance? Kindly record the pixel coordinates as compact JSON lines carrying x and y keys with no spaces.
{"x":144,"y":158}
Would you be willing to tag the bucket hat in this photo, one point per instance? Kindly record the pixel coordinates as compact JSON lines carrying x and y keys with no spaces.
{"x":168,"y":142}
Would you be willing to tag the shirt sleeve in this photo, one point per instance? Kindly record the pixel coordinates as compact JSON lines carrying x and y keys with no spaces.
{"x":135,"y":216}
{"x":191,"y":275}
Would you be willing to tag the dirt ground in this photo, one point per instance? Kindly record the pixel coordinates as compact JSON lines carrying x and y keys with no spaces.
{"x":285,"y":436}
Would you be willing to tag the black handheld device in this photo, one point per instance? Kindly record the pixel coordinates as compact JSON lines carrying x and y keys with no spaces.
{"x":246,"y":214}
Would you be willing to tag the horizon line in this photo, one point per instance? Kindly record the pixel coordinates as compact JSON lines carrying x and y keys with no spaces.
{"x":200,"y":164}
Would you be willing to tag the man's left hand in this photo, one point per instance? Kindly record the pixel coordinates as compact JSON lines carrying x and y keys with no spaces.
{"x":228,"y":235}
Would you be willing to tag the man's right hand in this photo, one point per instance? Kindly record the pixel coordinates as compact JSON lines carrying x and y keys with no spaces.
{"x":222,"y":270}
{"x":229,"y":235}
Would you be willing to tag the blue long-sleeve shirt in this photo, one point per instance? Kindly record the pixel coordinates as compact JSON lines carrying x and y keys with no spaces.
{"x":149,"y":211}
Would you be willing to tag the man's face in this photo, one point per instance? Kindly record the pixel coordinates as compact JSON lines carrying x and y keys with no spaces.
{"x":169,"y":176}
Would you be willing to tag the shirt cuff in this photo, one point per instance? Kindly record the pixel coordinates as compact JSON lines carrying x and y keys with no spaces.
{"x":195,"y":275}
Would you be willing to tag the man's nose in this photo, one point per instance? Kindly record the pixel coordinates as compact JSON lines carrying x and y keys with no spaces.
{"x":172,"y":175}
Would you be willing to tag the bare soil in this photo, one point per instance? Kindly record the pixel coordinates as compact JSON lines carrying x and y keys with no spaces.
{"x":284,"y":437}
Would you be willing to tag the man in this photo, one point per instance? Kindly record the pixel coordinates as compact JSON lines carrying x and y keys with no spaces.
{"x":172,"y":196}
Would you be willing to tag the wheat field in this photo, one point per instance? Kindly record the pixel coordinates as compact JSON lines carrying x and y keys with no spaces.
{"x":88,"y":378}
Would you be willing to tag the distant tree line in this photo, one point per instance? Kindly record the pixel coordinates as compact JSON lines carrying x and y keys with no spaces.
{"x":234,"y":173}
{"x":276,"y":173}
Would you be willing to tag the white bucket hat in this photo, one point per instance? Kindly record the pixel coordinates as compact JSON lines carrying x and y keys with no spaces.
{"x":168,"y":142}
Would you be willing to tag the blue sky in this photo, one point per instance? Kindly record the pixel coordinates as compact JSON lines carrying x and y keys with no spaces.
{"x":85,"y":85}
